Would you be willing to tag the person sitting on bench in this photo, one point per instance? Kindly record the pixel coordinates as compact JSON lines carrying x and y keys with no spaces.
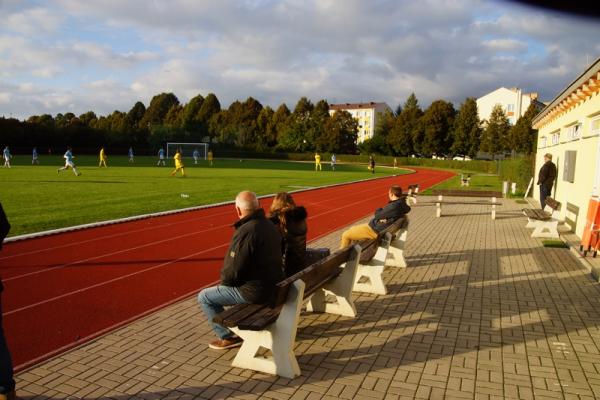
{"x":291,"y":221}
{"x":384,"y":217}
{"x":251,"y":269}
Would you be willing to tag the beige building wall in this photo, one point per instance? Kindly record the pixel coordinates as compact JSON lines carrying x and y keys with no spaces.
{"x":572,"y":124}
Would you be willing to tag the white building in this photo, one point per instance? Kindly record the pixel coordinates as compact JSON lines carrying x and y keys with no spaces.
{"x":513,"y":102}
{"x":365,"y":114}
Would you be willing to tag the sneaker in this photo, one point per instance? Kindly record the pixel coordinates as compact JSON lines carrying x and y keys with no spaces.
{"x":223,"y":344}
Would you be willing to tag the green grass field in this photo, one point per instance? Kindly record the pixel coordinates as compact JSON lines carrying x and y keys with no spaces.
{"x":36,"y":198}
{"x":479,"y":181}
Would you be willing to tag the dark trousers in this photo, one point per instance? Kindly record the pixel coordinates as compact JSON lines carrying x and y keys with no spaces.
{"x":7,"y":383}
{"x":545,"y":191}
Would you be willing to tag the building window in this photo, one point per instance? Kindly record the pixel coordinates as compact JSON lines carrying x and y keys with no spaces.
{"x":595,"y":126}
{"x":555,"y":137}
{"x":574,"y":132}
{"x":543,"y":141}
{"x":510,"y":107}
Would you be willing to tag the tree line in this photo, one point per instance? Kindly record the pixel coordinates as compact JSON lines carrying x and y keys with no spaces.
{"x":440,"y":129}
{"x":443,"y":130}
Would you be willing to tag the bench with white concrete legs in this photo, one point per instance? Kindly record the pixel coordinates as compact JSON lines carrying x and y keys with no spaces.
{"x":273,"y":327}
{"x":369,"y":276}
{"x":544,"y":223}
{"x":395,"y":256}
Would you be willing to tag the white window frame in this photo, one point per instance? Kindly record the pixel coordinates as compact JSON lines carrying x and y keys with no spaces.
{"x":543,"y":142}
{"x":597,"y":131}
{"x":555,"y":138}
{"x":574,"y":131}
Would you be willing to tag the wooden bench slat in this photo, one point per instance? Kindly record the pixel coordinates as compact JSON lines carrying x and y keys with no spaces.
{"x":236,"y":313}
{"x":466,"y":193}
{"x":486,"y":203}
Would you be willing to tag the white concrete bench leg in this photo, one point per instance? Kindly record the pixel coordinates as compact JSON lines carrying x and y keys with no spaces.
{"x":530,"y":223}
{"x":439,"y":206}
{"x":493,"y":208}
{"x":374,"y":270}
{"x":341,"y":288}
{"x":395,"y":256}
{"x":279,"y":338}
{"x":545,"y":229}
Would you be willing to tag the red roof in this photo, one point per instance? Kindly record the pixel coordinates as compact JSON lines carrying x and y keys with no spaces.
{"x":353,"y":106}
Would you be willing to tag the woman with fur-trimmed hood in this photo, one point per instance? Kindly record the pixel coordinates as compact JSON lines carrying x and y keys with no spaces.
{"x":291,"y":221}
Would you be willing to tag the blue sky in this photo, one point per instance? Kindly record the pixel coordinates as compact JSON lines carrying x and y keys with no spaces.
{"x":104,"y":55}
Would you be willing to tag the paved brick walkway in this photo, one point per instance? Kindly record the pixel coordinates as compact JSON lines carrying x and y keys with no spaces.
{"x":483,"y":311}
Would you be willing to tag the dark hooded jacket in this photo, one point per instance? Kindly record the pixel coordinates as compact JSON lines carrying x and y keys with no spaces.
{"x":389,"y":214}
{"x":547,"y":174}
{"x":253,"y":262}
{"x":294,"y":238}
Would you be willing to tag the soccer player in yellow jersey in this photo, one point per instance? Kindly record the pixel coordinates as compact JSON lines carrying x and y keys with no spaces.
{"x":318,"y":162}
{"x":102,"y":158}
{"x":178,"y":163}
{"x":210,"y":158}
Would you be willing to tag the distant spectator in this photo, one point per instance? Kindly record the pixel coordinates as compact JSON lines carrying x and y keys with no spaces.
{"x":333,"y":161}
{"x":251,"y":269}
{"x":384,"y":217}
{"x":291,"y":221}
{"x":546,"y":178}
{"x":7,"y":383}
{"x":372,"y":164}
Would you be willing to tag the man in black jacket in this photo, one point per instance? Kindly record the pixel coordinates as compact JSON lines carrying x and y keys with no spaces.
{"x":7,"y":383}
{"x":384,"y":217}
{"x":251,"y":269}
{"x":546,"y":178}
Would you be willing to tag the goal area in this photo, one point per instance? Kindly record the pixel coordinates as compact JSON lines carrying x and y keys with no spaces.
{"x":187,"y":149}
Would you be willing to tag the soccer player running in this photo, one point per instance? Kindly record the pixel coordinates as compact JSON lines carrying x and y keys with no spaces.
{"x":161,"y":157}
{"x":130,"y":153}
{"x":333,"y":160}
{"x":318,"y":162}
{"x":35,"y":157}
{"x":178,"y":164}
{"x":196,"y":155}
{"x":7,"y":156}
{"x":102,"y":158}
{"x":69,"y":162}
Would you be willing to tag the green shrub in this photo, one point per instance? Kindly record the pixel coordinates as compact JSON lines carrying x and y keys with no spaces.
{"x":518,"y":170}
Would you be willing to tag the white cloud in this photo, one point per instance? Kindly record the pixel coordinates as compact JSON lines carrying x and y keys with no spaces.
{"x":281,"y":50}
{"x":32,"y":21}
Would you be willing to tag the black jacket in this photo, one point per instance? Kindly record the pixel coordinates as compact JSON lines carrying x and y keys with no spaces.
{"x":389,"y":214}
{"x":253,"y":262}
{"x":294,"y":240}
{"x":547,"y":174}
{"x":4,"y":228}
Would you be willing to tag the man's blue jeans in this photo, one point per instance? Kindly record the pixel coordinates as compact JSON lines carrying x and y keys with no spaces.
{"x":7,"y":383}
{"x":544,"y":192}
{"x":213,"y":299}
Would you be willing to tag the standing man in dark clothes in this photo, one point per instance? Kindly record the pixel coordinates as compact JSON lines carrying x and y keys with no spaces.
{"x":252,"y":267}
{"x":546,"y":178}
{"x":384,"y":217}
{"x":7,"y":383}
{"x":372,"y":164}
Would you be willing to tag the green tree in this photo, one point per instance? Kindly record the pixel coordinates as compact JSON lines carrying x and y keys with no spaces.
{"x":280,"y":120}
{"x":189,"y":117}
{"x":88,"y":119}
{"x":157,"y":110}
{"x":522,"y":135}
{"x":406,"y":128}
{"x":267,"y":133}
{"x":339,"y":134}
{"x":494,"y":138}
{"x":437,"y":122}
{"x":383,"y":128}
{"x":296,"y":136}
{"x":210,"y":107}
{"x":467,"y":129}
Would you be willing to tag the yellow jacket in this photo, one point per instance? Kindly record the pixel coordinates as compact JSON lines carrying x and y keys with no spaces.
{"x":178,"y":162}
{"x":102,"y":155}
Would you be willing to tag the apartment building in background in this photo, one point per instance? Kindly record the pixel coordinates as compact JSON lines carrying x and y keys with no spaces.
{"x":513,"y":101}
{"x":365,"y":114}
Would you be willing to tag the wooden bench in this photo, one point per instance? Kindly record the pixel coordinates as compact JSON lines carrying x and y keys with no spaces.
{"x":544,"y":223}
{"x":273,"y":326}
{"x":411,"y":195}
{"x":386,"y":249}
{"x":492,"y":195}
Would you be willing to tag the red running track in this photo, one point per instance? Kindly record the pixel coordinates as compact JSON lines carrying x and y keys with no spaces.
{"x":62,"y":290}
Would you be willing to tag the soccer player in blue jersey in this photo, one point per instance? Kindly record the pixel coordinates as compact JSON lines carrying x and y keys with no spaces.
{"x":35,"y":157}
{"x":7,"y":156}
{"x":69,"y":162}
{"x":130,"y":153}
{"x":161,"y":157}
{"x":196,"y":155}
